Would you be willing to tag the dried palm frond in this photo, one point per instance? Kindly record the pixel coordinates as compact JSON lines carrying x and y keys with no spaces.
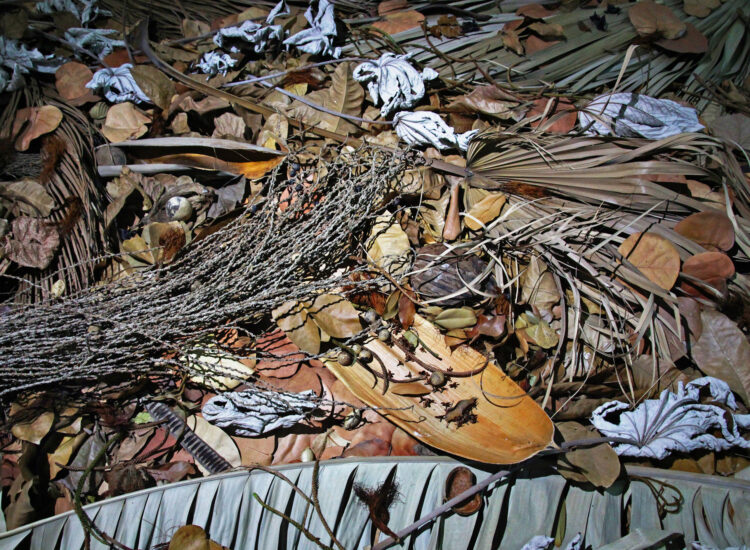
{"x":71,"y":182}
{"x":597,"y":192}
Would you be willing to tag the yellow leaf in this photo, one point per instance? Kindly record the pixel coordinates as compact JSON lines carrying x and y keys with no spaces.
{"x":389,"y":248}
{"x":124,"y":122}
{"x":64,"y":451}
{"x":217,"y":371}
{"x":462,"y":317}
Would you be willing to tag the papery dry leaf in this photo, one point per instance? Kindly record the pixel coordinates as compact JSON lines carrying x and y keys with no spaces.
{"x":389,"y":245}
{"x":548,"y":30}
{"x":462,"y":317}
{"x":712,"y":267}
{"x":538,"y":286}
{"x":29,"y":196}
{"x":63,"y":452}
{"x":703,"y":192}
{"x":711,"y":229}
{"x":394,"y":23}
{"x":295,"y":320}
{"x":216,"y":438}
{"x":37,"y":120}
{"x":452,"y":227}
{"x":71,"y":79}
{"x":599,"y":464}
{"x":654,"y":256}
{"x":535,"y":44}
{"x":34,"y":431}
{"x":406,"y":308}
{"x":335,"y":315}
{"x":497,"y":429}
{"x":564,"y":108}
{"x":34,"y":242}
{"x":485,"y":210}
{"x":700,"y":8}
{"x":733,"y":128}
{"x":512,"y":41}
{"x":388,"y":6}
{"x":124,"y":122}
{"x":229,"y":124}
{"x":692,"y":42}
{"x":155,"y":84}
{"x":447,"y":26}
{"x":651,"y":19}
{"x":723,"y":351}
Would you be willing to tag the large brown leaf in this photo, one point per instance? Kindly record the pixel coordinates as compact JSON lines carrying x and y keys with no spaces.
{"x":711,"y":229}
{"x":654,"y":256}
{"x":502,"y":426}
{"x":724,"y":352}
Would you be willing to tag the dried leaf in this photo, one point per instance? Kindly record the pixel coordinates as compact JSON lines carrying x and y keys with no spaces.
{"x":38,"y":121}
{"x":535,"y":44}
{"x":297,"y":323}
{"x":406,"y":309}
{"x":564,"y":109}
{"x":548,"y":30}
{"x":229,"y":125}
{"x":598,"y":464}
{"x":712,"y":267}
{"x":692,"y":42}
{"x":29,"y":196}
{"x":217,"y":439}
{"x":394,"y":23}
{"x":711,"y":229}
{"x":34,"y":431}
{"x":172,"y":472}
{"x":700,"y":8}
{"x":34,"y":242}
{"x":335,"y":315}
{"x":63,"y":452}
{"x":724,"y":352}
{"x":651,"y":19}
{"x":538,"y":286}
{"x":485,"y":210}
{"x":733,"y":128}
{"x":389,"y":245}
{"x":512,"y":41}
{"x":71,"y":79}
{"x":124,"y":122}
{"x":462,"y":317}
{"x":155,"y":84}
{"x":654,"y":256}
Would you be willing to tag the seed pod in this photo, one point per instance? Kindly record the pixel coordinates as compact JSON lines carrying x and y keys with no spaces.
{"x":370,"y":317}
{"x":307,"y":455}
{"x":353,"y":420}
{"x":179,"y":209}
{"x":437,"y":379}
{"x":356,"y":349}
{"x":365,"y":356}
{"x":411,"y":337}
{"x":345,"y":358}
{"x":384,"y":335}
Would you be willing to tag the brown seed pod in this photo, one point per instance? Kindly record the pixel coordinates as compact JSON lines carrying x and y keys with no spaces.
{"x":459,"y":480}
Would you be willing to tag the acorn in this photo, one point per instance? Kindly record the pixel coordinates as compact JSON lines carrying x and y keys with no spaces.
{"x":384,"y":335}
{"x":179,"y":209}
{"x":345,"y":358}
{"x":365,"y":356}
{"x":437,"y":379}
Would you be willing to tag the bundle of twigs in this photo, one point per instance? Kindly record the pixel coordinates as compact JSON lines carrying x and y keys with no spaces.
{"x":290,"y":248}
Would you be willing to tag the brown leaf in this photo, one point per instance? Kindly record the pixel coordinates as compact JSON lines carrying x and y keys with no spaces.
{"x":295,"y":320}
{"x":406,"y":308}
{"x":414,"y":389}
{"x":564,"y":109}
{"x":692,"y":42}
{"x":172,"y":472}
{"x":34,"y":430}
{"x":535,"y":44}
{"x":733,"y":128}
{"x":447,"y":26}
{"x":724,"y":352}
{"x":71,"y":79}
{"x":459,"y":480}
{"x":38,"y":120}
{"x":124,"y":122}
{"x":512,"y":41}
{"x":492,"y":326}
{"x":534,"y":11}
{"x":711,"y":229}
{"x":651,"y":19}
{"x":712,"y":267}
{"x":485,"y":210}
{"x":654,"y":256}
{"x":285,"y":358}
{"x":29,"y":196}
{"x":394,"y":23}
{"x":335,"y":315}
{"x":34,"y":242}
{"x":371,"y":447}
{"x":598,"y":464}
{"x":155,"y":84}
{"x":389,"y":6}
{"x":548,"y":30}
{"x":229,"y":125}
{"x":700,"y":8}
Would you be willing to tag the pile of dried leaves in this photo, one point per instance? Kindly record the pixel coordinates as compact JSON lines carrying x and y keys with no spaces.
{"x":293,"y":233}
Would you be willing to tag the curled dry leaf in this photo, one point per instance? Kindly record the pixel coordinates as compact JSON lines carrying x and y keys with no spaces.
{"x":485,"y":210}
{"x":651,"y":19}
{"x":155,"y":84}
{"x":29,"y":196}
{"x":400,"y":21}
{"x":654,"y":256}
{"x":488,"y":100}
{"x":295,"y":320}
{"x":38,"y":121}
{"x":712,"y":267}
{"x":711,"y":229}
{"x":230,"y":125}
{"x":34,"y":431}
{"x":124,"y":122}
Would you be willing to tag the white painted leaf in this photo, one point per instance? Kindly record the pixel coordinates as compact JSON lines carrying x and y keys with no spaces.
{"x":427,"y":128}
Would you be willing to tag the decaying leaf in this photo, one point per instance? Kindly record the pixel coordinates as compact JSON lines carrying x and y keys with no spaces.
{"x":34,"y":242}
{"x":654,"y":256}
{"x":538,"y":286}
{"x":712,"y":267}
{"x":485,"y":210}
{"x":400,"y":21}
{"x":34,"y":431}
{"x":297,"y":323}
{"x":700,"y":8}
{"x":155,"y":84}
{"x":29,"y":196}
{"x":71,"y":79}
{"x":35,"y":122}
{"x":335,"y":315}
{"x":389,"y":245}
